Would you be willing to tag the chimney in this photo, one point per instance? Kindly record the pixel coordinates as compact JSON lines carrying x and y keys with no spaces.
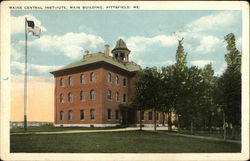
{"x":106,"y":52}
{"x":86,"y":54}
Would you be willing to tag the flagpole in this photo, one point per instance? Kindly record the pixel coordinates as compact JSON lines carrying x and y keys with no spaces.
{"x":25,"y":78}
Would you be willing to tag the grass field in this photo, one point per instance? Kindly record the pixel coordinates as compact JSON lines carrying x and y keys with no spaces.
{"x":117,"y":142}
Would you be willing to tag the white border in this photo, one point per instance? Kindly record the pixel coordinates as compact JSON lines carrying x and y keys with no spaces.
{"x":146,"y":5}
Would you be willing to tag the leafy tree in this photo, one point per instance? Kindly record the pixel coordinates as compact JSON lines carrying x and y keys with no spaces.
{"x":230,"y":84}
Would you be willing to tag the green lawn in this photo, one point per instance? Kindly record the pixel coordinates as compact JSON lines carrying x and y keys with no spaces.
{"x":117,"y":142}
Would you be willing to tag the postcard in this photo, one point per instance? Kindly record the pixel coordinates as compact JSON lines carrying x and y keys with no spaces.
{"x":124,"y":80}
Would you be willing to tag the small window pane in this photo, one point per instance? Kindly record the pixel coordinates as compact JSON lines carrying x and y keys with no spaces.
{"x":70,"y":97}
{"x":70,"y":81}
{"x":109,"y":114}
{"x":62,"y":100}
{"x":92,"y":95}
{"x":117,"y":80}
{"x":70,"y":116}
{"x":109,"y":78}
{"x":124,"y":98}
{"x":82,"y":96}
{"x":61,"y":115}
{"x":92,"y":77}
{"x":92,"y":114}
{"x":82,"y":79}
{"x":62,"y":83}
{"x":109,"y":94}
{"x":82,"y":114}
{"x":117,"y":97}
{"x":124,"y":82}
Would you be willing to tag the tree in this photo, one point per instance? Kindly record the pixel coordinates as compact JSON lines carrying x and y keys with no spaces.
{"x":230,"y":84}
{"x":148,"y":91}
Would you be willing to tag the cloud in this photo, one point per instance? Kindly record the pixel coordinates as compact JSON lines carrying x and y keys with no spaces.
{"x":207,"y":44}
{"x":86,"y":29}
{"x":38,"y":68}
{"x":201,"y":63}
{"x":18,"y":23}
{"x":70,"y":44}
{"x":15,"y":51}
{"x":221,"y":70}
{"x":213,"y":22}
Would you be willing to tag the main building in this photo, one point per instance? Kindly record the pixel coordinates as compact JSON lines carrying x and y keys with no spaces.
{"x":97,"y":90}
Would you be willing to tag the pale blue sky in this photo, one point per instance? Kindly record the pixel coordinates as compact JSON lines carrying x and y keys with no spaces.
{"x":150,"y":35}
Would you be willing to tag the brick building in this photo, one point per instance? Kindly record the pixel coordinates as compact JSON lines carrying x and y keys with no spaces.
{"x":97,"y":90}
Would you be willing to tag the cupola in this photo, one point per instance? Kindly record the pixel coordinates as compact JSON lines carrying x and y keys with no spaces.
{"x":121,"y":52}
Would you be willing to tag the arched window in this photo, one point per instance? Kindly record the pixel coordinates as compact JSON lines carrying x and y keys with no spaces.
{"x":62,"y":83}
{"x":82,"y":116}
{"x":92,"y":94}
{"x":70,"y":115}
{"x":62,"y":100}
{"x":70,"y":81}
{"x":109,"y":78}
{"x":124,"y":98}
{"x":117,"y":97}
{"x":124,"y":82}
{"x":109,"y":94}
{"x":82,"y":79}
{"x":61,"y":115}
{"x":117,"y":80}
{"x":109,"y":114}
{"x":92,"y":77}
{"x":82,"y":96}
{"x":70,"y":97}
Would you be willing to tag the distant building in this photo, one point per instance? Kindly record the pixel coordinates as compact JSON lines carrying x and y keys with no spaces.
{"x":97,"y":90}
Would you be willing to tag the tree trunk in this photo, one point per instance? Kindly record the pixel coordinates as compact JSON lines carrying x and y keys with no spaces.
{"x":178,"y":124}
{"x":140,"y":120}
{"x":154,"y":120}
{"x":169,"y":121}
{"x":224,"y":127}
{"x":191,"y":127}
{"x":163,"y":118}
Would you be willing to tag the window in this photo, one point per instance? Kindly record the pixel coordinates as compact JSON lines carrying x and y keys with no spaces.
{"x":117,"y":114}
{"x":82,"y":79}
{"x":150,"y":115}
{"x":109,"y":94}
{"x":124,"y":98}
{"x":117,"y":97}
{"x":124,"y":82}
{"x":62,"y":100}
{"x":109,"y":78}
{"x":117,"y":80}
{"x":70,"y":116}
{"x":92,"y":94}
{"x":62,"y":83}
{"x":92,"y":114}
{"x":70,"y":97}
{"x":92,"y":77}
{"x":82,"y":96}
{"x":142,"y":115}
{"x":61,"y":115}
{"x":82,"y":114}
{"x":70,"y":81}
{"x":157,"y":115}
{"x":109,"y":114}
